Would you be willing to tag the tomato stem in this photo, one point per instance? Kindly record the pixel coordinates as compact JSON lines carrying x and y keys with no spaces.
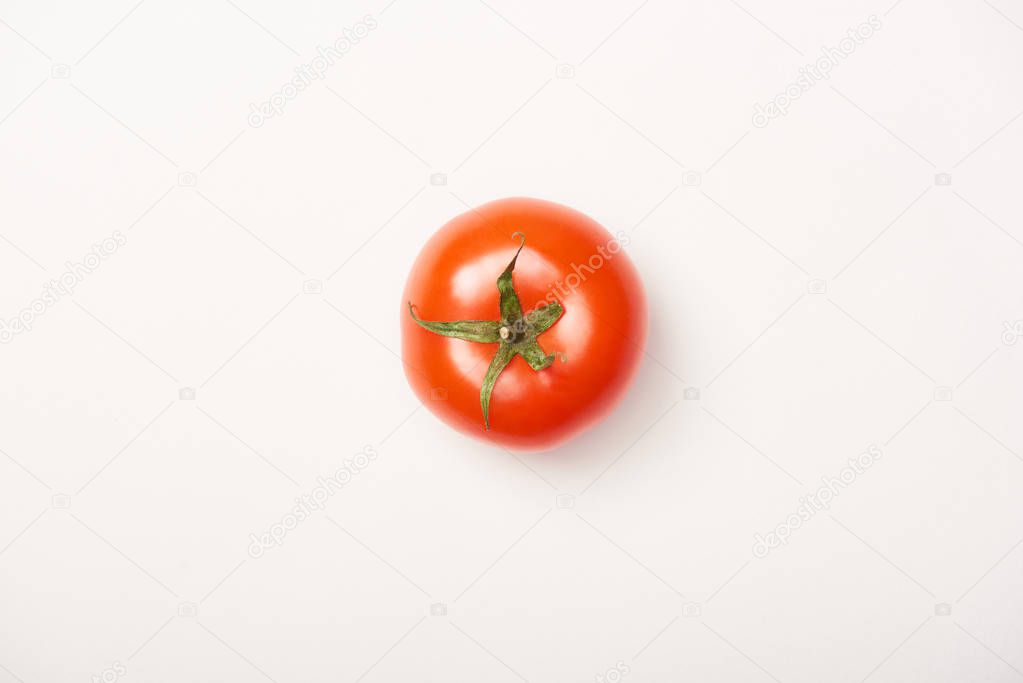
{"x":515,"y":333}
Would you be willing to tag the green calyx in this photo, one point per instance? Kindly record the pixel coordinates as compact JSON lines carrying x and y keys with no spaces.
{"x":514,"y":332}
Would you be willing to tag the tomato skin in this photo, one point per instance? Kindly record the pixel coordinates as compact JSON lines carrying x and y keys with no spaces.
{"x":602,"y":332}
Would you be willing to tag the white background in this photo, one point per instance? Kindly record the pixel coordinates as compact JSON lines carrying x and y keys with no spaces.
{"x":811,"y":285}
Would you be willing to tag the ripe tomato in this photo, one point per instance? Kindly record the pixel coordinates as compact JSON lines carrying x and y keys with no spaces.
{"x":522,"y":323}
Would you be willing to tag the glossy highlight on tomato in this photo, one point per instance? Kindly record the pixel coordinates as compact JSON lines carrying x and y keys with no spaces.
{"x":522,"y":323}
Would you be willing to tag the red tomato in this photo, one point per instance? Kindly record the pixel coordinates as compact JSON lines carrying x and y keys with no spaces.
{"x":564,"y":355}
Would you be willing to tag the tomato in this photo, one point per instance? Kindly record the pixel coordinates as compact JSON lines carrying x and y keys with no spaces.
{"x":522,"y":323}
